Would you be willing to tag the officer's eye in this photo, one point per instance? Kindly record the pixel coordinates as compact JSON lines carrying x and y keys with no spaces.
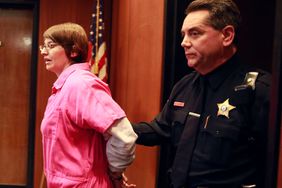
{"x":194,"y":33}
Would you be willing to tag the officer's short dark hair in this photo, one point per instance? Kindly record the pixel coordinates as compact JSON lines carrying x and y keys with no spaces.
{"x":222,"y":13}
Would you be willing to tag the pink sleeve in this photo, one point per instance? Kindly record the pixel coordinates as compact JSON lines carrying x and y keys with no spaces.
{"x":91,"y":105}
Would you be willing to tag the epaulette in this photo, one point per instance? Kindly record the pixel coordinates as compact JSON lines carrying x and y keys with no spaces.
{"x":249,"y":81}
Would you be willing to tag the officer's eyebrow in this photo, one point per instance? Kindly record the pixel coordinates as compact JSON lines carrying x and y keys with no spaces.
{"x":196,"y":28}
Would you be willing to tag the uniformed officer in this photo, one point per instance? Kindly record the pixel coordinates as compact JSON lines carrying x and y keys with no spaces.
{"x":216,"y":117}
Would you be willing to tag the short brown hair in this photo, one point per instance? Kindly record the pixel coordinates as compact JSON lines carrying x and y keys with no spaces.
{"x":222,"y":13}
{"x":72,"y":38}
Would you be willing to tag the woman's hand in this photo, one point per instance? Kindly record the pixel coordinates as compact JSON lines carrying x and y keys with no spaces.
{"x":125,"y":182}
{"x":120,"y":181}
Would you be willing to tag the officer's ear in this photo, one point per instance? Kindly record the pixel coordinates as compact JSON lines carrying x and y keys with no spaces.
{"x":228,"y":34}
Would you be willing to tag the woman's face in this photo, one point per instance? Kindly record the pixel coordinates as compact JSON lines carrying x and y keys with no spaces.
{"x":55,"y":57}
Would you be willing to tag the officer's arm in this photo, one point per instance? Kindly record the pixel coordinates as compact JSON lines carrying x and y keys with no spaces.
{"x":150,"y":134}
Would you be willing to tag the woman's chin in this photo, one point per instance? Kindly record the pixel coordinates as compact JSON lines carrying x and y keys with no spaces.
{"x":48,"y":67}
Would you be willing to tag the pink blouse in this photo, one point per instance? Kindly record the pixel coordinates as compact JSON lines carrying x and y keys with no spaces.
{"x":78,"y":112}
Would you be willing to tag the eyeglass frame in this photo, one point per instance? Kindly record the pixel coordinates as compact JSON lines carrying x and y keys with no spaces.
{"x":48,"y":46}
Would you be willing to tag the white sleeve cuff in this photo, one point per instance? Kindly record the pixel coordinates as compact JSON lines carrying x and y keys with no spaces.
{"x":120,"y":148}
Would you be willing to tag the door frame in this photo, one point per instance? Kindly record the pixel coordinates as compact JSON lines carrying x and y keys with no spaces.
{"x":274,"y":128}
{"x":34,"y":6}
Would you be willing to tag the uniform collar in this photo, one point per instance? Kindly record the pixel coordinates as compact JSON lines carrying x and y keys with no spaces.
{"x":66,"y":73}
{"x":216,"y":77}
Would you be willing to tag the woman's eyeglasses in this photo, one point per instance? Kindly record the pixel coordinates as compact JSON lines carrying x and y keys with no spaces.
{"x":48,"y":46}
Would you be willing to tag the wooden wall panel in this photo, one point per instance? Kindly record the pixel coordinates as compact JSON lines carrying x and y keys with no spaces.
{"x":136,"y":73}
{"x":54,"y":12}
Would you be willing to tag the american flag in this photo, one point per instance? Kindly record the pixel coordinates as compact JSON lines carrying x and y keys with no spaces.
{"x":98,"y":43}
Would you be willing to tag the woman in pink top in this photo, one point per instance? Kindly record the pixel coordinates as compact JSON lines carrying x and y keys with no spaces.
{"x":87,"y":140}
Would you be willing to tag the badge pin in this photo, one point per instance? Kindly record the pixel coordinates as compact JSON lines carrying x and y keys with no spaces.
{"x":194,"y":114}
{"x":224,"y":108}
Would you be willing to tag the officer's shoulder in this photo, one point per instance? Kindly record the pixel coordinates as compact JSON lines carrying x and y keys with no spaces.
{"x":264,"y":78}
{"x":187,"y":78}
{"x":184,"y":82}
{"x":262,"y":83}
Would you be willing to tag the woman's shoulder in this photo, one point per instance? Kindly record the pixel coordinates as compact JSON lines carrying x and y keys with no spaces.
{"x":81,"y":80}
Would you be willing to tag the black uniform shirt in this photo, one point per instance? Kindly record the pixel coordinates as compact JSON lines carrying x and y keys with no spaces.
{"x":230,"y":145}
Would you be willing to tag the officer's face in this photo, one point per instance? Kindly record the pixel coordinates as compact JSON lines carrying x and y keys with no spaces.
{"x":203,"y":45}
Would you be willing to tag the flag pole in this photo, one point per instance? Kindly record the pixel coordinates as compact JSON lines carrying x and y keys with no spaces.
{"x":96,"y":61}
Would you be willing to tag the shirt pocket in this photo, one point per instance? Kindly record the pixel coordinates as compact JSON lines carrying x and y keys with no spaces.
{"x":178,"y":124}
{"x":49,"y":123}
{"x":218,"y":139}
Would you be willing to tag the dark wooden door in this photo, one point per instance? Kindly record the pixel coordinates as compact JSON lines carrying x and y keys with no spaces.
{"x":15,"y":83}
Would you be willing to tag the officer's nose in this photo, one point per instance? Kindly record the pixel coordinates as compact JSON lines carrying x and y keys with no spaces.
{"x":186,"y":43}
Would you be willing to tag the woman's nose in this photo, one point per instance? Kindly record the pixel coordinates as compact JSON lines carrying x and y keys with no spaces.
{"x":43,"y":51}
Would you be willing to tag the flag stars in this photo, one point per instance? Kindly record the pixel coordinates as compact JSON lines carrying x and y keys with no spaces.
{"x":97,"y":41}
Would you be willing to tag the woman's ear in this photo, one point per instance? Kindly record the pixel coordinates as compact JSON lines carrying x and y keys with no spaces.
{"x":228,"y":33}
{"x":73,"y":52}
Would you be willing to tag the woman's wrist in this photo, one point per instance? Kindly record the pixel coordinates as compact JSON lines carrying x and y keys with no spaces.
{"x":116,"y":176}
